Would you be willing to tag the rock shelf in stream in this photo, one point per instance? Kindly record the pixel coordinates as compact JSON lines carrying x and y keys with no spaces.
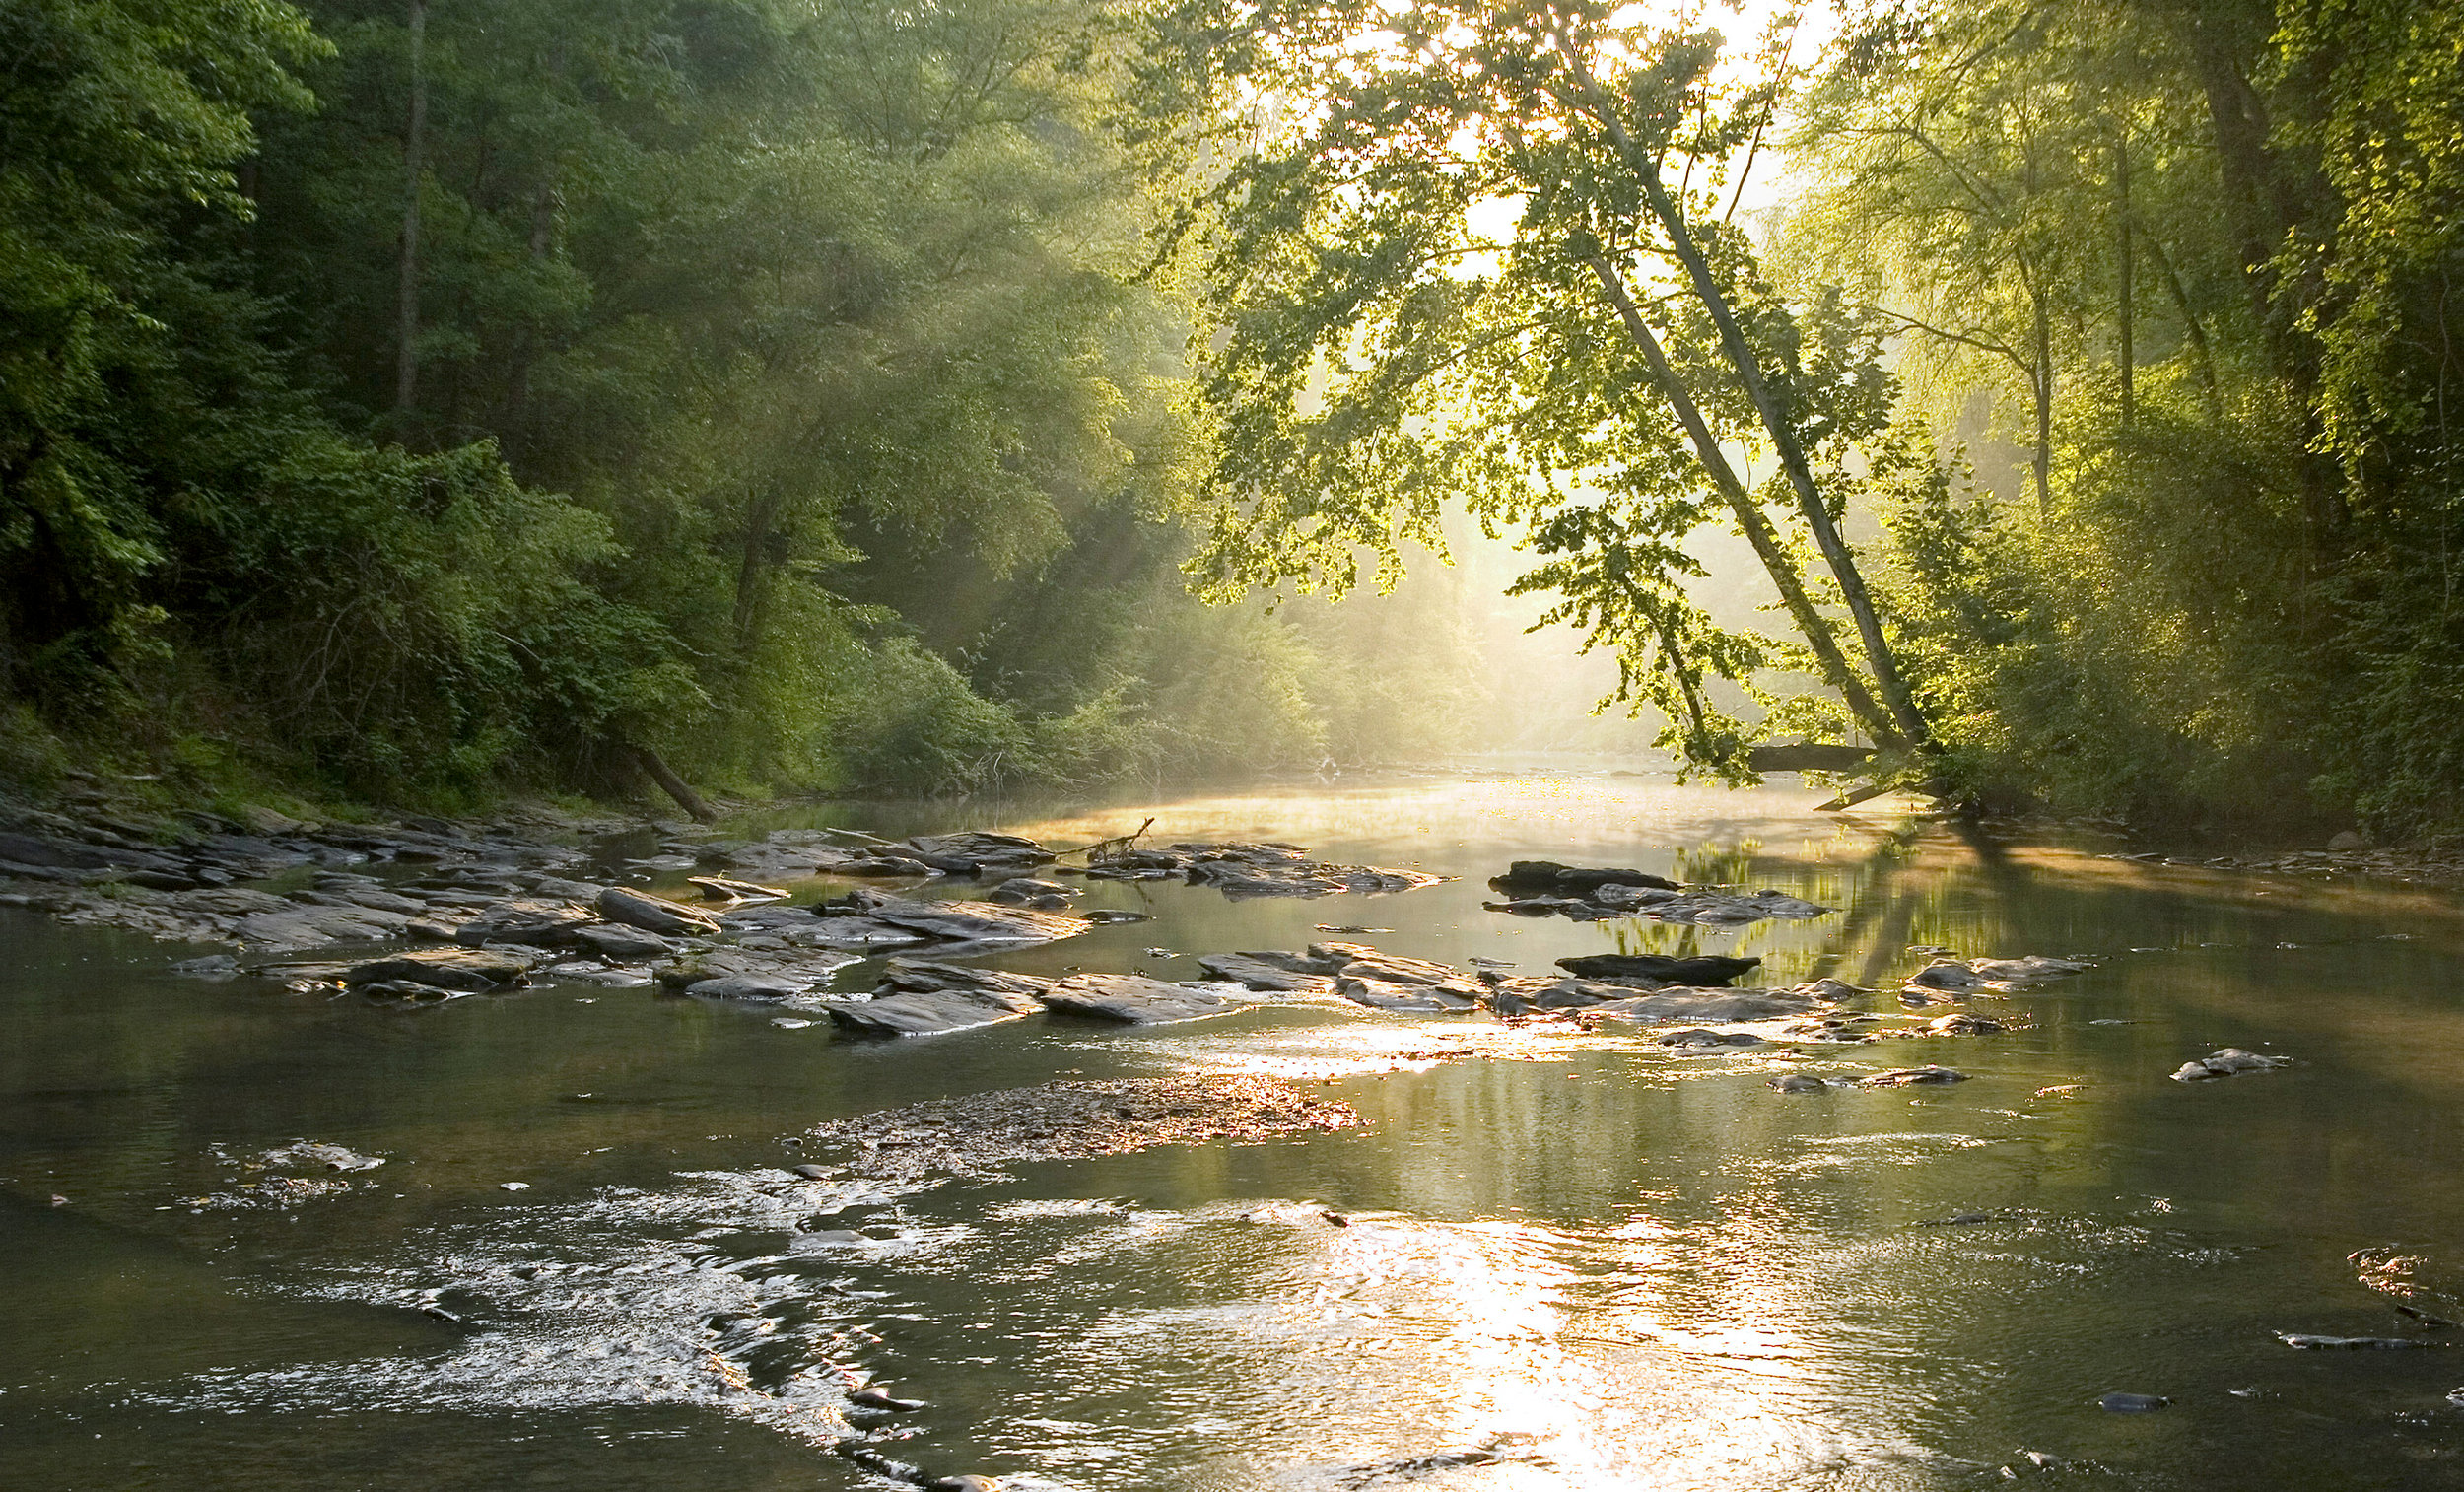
{"x":1241,"y":870}
{"x":980,"y":1135}
{"x":1544,"y":888}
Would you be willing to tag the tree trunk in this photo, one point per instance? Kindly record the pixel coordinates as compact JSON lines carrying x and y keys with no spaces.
{"x":542,"y":239}
{"x":1783,"y":434}
{"x":675,"y":786}
{"x":414,"y":145}
{"x":2125,"y":356}
{"x":1816,"y":628}
{"x":2203,"y":363}
{"x":2042,"y":382}
{"x":759,"y":516}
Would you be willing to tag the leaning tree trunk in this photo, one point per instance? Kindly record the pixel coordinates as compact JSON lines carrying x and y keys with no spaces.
{"x":1783,"y":435}
{"x":1810,"y":622}
{"x":666,"y":776}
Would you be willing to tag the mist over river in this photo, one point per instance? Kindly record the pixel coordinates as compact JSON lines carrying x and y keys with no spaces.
{"x":1545,"y":1257}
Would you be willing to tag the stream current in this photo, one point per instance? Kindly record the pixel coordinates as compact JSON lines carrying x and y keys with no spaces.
{"x":1565,"y":1260}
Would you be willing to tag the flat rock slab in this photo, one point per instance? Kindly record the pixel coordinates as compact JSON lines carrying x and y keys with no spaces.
{"x":1652,"y":970}
{"x":927,"y":976}
{"x":1267,"y":972}
{"x":958,"y":922}
{"x":1527,"y":877}
{"x":932,"y":1012}
{"x":977,"y":1135}
{"x":795,"y":970}
{"x":1134,"y":999}
{"x":472,"y":969}
{"x":1704,"y":1007}
{"x":1389,"y":994}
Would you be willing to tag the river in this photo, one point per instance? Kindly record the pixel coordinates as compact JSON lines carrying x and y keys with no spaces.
{"x":1582,"y":1259}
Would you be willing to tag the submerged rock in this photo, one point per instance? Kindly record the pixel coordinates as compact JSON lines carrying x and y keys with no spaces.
{"x":2307,"y":1342}
{"x":1956,"y":975}
{"x":2227,"y":1062}
{"x":1798,"y":1082}
{"x":2133,"y":1403}
{"x":1544,"y":888}
{"x":1702,"y":1007}
{"x":977,"y":1135}
{"x":1699,"y":1038}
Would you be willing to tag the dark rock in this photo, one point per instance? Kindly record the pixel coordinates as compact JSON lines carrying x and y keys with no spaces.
{"x":539,"y":924}
{"x":1134,"y":999}
{"x":969,"y":921}
{"x":1106,"y":916}
{"x":1548,"y":875}
{"x":1028,"y":891}
{"x":874,"y":1396}
{"x":612,"y":940}
{"x":932,"y":1012}
{"x":652,"y":914}
{"x":1993,"y":974}
{"x":2133,"y":1403}
{"x":446,"y":968}
{"x":1391,"y":994}
{"x":1909,"y":1077}
{"x":2227,"y":1062}
{"x":1658,"y":969}
{"x":1962,"y":1024}
{"x":1698,"y":1036}
{"x":748,"y":987}
{"x":1798,"y":1082}
{"x":884,"y":867}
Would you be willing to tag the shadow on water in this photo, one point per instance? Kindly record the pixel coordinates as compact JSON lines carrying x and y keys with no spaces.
{"x":1544,"y":1259}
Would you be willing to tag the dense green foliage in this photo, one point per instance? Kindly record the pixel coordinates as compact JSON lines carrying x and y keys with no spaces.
{"x":415,"y":395}
{"x":420,"y":395}
{"x":2192,"y":262}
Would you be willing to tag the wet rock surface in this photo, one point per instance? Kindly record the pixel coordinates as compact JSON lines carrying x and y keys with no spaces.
{"x":1545,"y":888}
{"x":980,"y":1135}
{"x":1134,"y":1000}
{"x":1241,"y":869}
{"x":2229,"y":1061}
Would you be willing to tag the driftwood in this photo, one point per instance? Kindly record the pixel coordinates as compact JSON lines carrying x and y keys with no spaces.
{"x":1112,"y":848}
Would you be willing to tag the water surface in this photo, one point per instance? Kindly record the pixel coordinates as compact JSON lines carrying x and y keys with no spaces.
{"x":1610,"y":1265}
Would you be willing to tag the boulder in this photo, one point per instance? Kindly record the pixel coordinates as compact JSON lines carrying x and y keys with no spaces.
{"x":543,"y":924}
{"x":654,"y":913}
{"x":1134,"y":999}
{"x":1698,"y":1037}
{"x":925,"y":975}
{"x":1548,"y":875}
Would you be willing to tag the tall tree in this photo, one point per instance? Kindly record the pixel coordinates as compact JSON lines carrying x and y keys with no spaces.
{"x":1482,"y":257}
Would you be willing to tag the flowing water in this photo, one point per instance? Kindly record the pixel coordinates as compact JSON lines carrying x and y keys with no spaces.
{"x":1605,"y":1264}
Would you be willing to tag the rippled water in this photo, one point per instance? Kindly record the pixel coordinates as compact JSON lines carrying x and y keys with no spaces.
{"x":1605,"y":1264}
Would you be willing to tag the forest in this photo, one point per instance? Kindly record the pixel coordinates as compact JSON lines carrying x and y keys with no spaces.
{"x":422,"y":399}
